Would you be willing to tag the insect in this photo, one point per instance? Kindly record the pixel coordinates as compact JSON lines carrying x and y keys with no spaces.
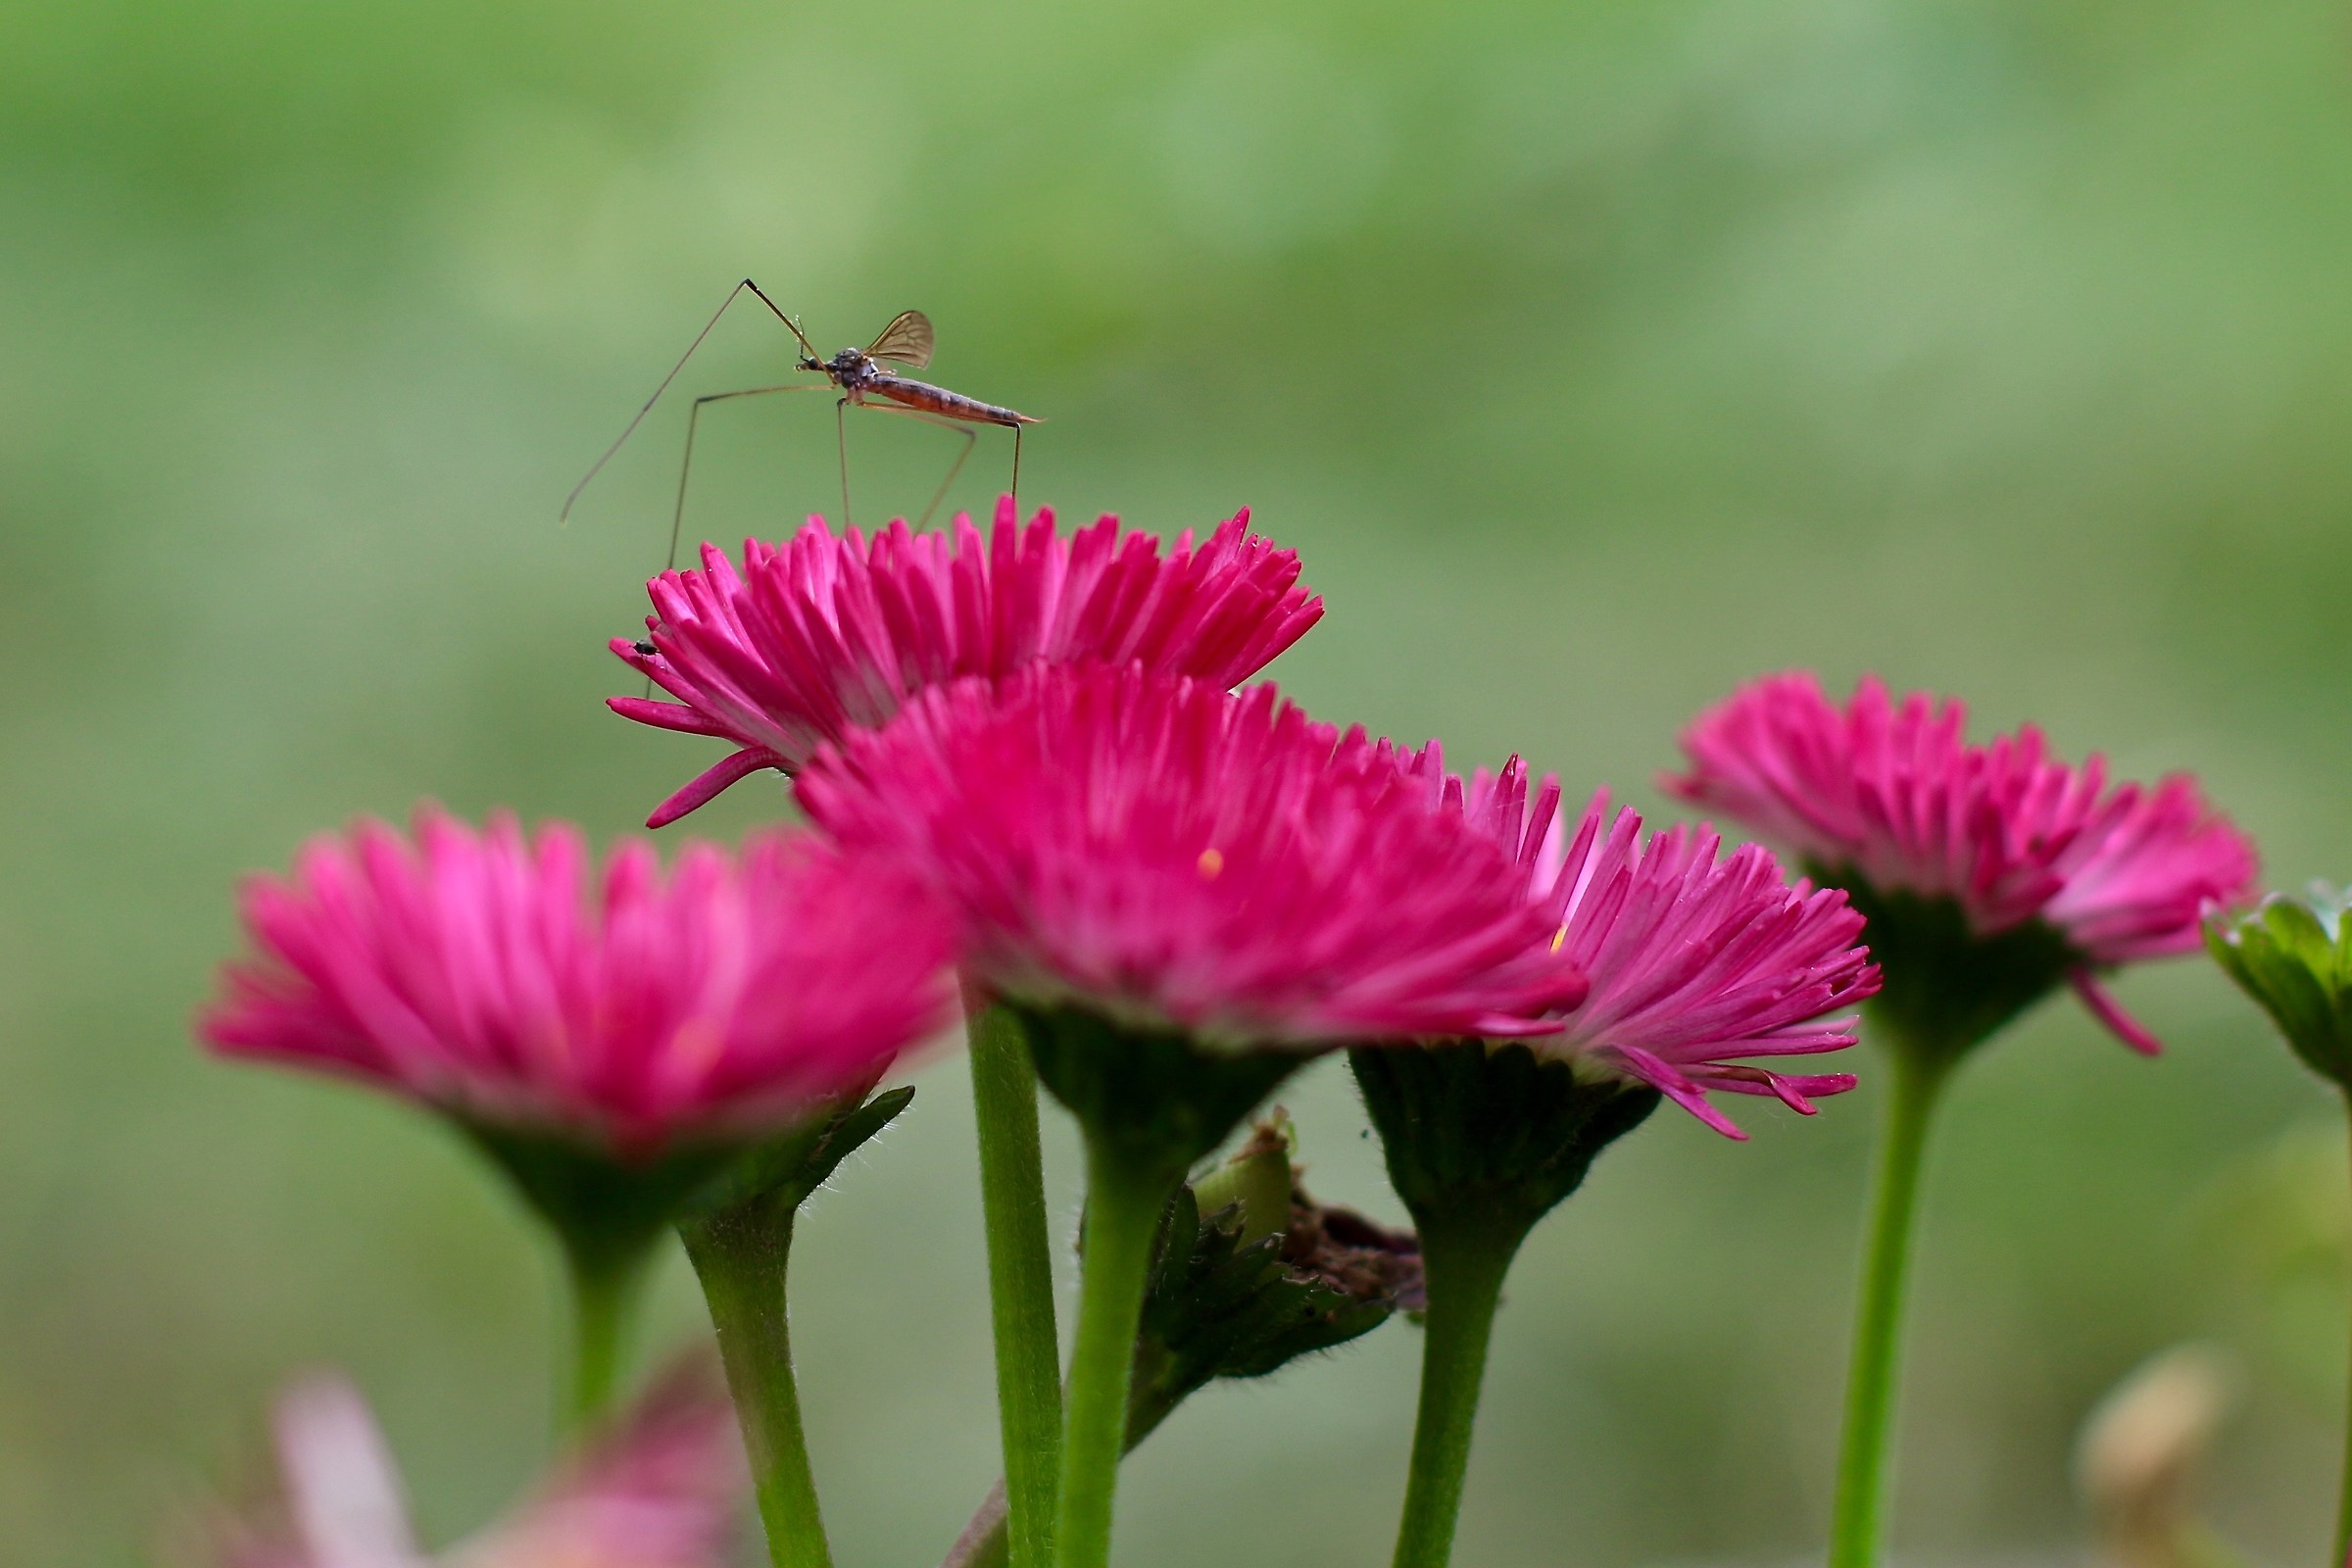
{"x":865,"y":382}
{"x":859,"y":372}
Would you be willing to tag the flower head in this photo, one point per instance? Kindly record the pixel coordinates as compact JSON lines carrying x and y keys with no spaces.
{"x":477,"y":972}
{"x":658,"y":1490}
{"x":826,"y":634}
{"x":2294,"y":958}
{"x":1892,"y":801}
{"x":1174,"y":857}
{"x":1694,"y":956}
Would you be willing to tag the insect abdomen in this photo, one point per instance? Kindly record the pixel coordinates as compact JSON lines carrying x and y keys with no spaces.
{"x":940,"y":401}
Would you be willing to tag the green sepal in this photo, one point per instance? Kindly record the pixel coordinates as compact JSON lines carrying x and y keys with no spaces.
{"x":1254,"y":1185}
{"x":1489,"y":1139}
{"x":789,"y":1169}
{"x":1153,"y":1097}
{"x":606,"y":1211}
{"x":1946,"y":988}
{"x":609,"y":1211}
{"x":2294,"y":958}
{"x":1223,"y":1307}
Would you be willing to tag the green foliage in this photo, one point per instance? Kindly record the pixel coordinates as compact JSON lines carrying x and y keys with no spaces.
{"x":606,"y":1211}
{"x":1154,"y":1096}
{"x":1949,"y":989}
{"x":2294,"y":957}
{"x":1243,"y":1288}
{"x":1491,"y":1139}
{"x":787,"y":1171}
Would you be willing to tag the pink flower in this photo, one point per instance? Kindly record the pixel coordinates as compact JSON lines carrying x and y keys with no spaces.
{"x":657,"y":1491}
{"x":824,"y":634}
{"x":1894,"y":798}
{"x":472,"y":971}
{"x":1173,"y":856}
{"x":1693,"y":957}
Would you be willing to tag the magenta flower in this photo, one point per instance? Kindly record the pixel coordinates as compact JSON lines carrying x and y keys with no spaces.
{"x":1179,"y":895}
{"x":1695,"y":957}
{"x":658,"y":1490}
{"x":826,"y":634}
{"x":474,"y":972}
{"x":1175,"y":857}
{"x":1893,"y":798}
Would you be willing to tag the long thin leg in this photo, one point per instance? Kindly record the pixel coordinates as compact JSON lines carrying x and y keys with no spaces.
{"x":841,"y":438}
{"x":677,"y":514}
{"x":1016,"y":472}
{"x":693,"y":418}
{"x":962,"y":429}
{"x":563,"y":517}
{"x":970,"y":436}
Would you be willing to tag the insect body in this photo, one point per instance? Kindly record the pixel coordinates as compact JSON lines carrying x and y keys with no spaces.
{"x":907,"y":340}
{"x":862,"y":376}
{"x":864,"y":380}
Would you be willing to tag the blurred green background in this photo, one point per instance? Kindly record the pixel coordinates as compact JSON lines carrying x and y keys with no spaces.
{"x":1596,"y":355}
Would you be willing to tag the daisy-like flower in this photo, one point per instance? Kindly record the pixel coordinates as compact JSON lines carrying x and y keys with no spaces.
{"x":1695,"y":958}
{"x":617,"y":1043}
{"x":1989,"y":874}
{"x":1889,"y":800}
{"x":658,"y":1490}
{"x":505,"y":981}
{"x":826,"y":634}
{"x":1181,"y":894}
{"x":1176,"y":858}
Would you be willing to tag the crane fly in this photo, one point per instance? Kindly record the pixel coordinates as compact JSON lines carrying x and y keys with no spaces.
{"x":864,"y":381}
{"x":860,"y":373}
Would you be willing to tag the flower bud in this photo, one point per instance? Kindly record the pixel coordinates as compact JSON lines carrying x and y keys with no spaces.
{"x":2294,"y":957}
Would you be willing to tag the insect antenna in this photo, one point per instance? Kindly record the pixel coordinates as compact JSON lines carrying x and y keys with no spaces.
{"x":563,"y":517}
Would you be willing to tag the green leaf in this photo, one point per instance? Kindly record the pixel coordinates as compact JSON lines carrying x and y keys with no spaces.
{"x":2294,"y":959}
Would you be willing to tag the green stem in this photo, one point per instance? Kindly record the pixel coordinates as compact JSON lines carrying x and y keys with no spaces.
{"x":604,"y":1299}
{"x":1124,"y":1197}
{"x":982,"y":1544}
{"x":739,"y":1255}
{"x":1466,"y":1265}
{"x":1020,"y":1279}
{"x":2343,"y":1518}
{"x":1915,"y":1083}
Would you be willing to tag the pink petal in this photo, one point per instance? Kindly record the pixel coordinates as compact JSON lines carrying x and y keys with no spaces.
{"x":2109,"y":1012}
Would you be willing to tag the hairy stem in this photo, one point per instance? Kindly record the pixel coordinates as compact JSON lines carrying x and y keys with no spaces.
{"x":739,"y":1255}
{"x":1915,"y":1085}
{"x":1020,"y":1279}
{"x":1466,"y":1264}
{"x":1124,"y":1197}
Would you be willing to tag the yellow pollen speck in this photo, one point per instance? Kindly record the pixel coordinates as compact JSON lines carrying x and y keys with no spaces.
{"x":1559,"y":938}
{"x":1212,"y":862}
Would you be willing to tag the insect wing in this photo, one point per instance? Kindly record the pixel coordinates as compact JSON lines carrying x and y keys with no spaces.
{"x":907,"y":339}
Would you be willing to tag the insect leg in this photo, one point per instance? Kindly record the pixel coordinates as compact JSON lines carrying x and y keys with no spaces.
{"x":962,"y":429}
{"x":677,"y":512}
{"x":563,"y":517}
{"x":1016,"y":472}
{"x":841,"y":438}
{"x":677,"y":515}
{"x":969,"y":435}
